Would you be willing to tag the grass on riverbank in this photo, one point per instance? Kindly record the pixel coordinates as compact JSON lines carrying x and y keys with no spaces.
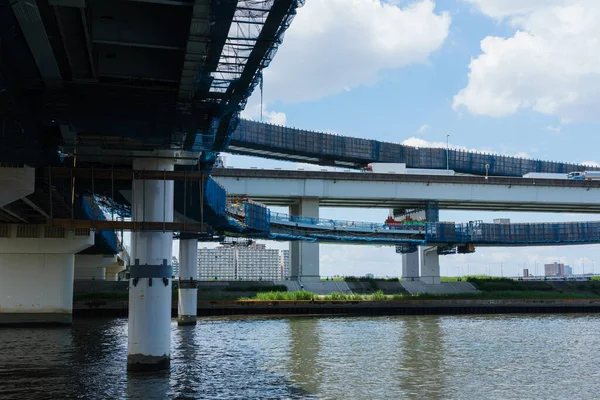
{"x":379,"y":296}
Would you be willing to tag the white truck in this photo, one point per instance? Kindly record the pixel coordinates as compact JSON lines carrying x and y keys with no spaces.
{"x":386,"y":168}
{"x":544,"y":175}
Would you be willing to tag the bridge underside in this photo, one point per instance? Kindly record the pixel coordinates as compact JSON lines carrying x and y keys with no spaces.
{"x":114,"y":80}
{"x":408,"y":204}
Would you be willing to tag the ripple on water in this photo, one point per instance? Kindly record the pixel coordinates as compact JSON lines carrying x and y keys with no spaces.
{"x":429,"y":357}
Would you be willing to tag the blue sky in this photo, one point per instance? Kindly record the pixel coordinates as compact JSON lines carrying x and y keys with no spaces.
{"x":517,"y":77}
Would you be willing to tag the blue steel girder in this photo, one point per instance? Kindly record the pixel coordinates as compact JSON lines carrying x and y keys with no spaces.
{"x":280,"y":14}
{"x":292,"y":144}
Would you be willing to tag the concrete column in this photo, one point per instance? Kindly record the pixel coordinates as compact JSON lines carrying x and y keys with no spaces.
{"x":149,"y":340}
{"x":187,"y":306}
{"x":304,"y":257}
{"x":36,"y":273}
{"x":93,"y":266}
{"x":113,"y":270}
{"x":430,"y":265}
{"x":410,"y":266}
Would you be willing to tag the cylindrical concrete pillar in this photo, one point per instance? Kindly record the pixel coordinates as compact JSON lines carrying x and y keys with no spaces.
{"x":149,"y":341}
{"x":187,"y":305}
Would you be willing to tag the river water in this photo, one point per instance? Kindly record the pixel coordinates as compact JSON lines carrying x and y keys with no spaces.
{"x":429,"y":357}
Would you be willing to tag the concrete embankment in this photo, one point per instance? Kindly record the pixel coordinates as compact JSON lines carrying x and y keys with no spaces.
{"x":96,"y":308}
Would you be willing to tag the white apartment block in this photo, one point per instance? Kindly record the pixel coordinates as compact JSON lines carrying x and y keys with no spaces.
{"x":258,"y":264}
{"x":216,"y":263}
{"x":284,"y":264}
{"x":252,"y":263}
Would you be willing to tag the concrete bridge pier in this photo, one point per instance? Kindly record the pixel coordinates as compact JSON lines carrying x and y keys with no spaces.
{"x":93,"y":266}
{"x":113,"y":270}
{"x":187,"y":305}
{"x":430,"y":265}
{"x":36,"y":273}
{"x":410,"y":266}
{"x":304,"y":257}
{"x":149,"y":328}
{"x":422,"y":265}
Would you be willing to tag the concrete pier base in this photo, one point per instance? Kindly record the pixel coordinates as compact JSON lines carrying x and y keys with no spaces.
{"x":145,"y":363}
{"x":47,"y":318}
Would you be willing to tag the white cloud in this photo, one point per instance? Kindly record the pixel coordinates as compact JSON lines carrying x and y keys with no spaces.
{"x":509,"y":8}
{"x":424,"y":127}
{"x":555,"y":129}
{"x":277,"y":118}
{"x":253,"y":111}
{"x":335,"y":45}
{"x":591,"y":164}
{"x":550,"y":65}
{"x":422,"y":143}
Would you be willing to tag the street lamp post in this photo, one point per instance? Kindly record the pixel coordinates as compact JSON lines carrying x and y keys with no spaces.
{"x":447,"y":154}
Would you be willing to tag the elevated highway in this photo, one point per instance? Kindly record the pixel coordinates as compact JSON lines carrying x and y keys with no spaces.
{"x":369,"y":190}
{"x":321,"y":148}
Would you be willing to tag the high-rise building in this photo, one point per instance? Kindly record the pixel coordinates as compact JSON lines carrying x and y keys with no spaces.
{"x":252,"y":263}
{"x":554,"y":269}
{"x":525,"y":272}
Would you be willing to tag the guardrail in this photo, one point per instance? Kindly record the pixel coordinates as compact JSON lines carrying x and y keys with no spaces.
{"x":322,"y":222}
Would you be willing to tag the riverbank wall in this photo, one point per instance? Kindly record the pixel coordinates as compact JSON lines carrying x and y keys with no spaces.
{"x":100,"y":308}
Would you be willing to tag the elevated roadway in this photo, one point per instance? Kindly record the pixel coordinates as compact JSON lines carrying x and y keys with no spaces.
{"x":369,"y":190}
{"x":321,"y":148}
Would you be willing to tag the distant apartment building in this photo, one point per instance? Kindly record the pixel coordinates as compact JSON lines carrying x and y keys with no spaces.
{"x":554,"y":269}
{"x":251,"y":263}
{"x":175,"y":265}
{"x":216,"y":263}
{"x":568,"y":270}
{"x":284,"y":264}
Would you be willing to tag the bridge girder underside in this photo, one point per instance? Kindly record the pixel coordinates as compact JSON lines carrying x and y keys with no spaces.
{"x":117,"y":79}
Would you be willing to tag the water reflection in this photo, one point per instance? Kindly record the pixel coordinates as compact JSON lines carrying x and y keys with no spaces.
{"x":304,"y":341}
{"x":186,"y":362}
{"x":420,"y":374}
{"x":155,"y":385}
{"x":468,"y":357}
{"x":39,"y":356}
